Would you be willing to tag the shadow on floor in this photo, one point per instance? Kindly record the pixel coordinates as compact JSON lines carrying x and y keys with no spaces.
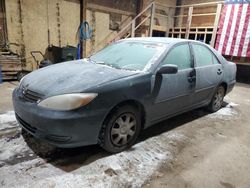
{"x":74,"y":158}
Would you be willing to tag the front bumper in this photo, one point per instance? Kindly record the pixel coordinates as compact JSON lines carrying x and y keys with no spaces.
{"x":60,"y":128}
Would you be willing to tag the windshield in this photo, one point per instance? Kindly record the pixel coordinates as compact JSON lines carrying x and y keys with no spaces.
{"x":129,"y":55}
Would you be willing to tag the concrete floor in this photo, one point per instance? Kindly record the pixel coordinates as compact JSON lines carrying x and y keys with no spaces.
{"x":213,"y":151}
{"x":217,"y":153}
{"x":6,"y":89}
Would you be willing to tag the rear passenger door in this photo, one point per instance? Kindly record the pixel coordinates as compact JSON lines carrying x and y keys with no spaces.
{"x":208,"y":73}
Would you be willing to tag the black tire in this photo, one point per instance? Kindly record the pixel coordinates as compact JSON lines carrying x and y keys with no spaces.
{"x":119,"y":125}
{"x":217,"y":100}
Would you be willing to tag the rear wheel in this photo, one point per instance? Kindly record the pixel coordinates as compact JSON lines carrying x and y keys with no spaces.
{"x":121,"y":129}
{"x":217,"y":99}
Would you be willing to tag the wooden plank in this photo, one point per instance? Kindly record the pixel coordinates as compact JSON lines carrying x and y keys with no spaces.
{"x":83,"y":17}
{"x":202,"y":27}
{"x":142,"y":22}
{"x":159,"y":28}
{"x":205,"y":14}
{"x":9,"y":73}
{"x":11,"y":67}
{"x":169,"y":20}
{"x":133,"y":28}
{"x":161,"y":15}
{"x":193,"y":5}
{"x":100,"y":8}
{"x":152,"y":20}
{"x":189,"y":21}
{"x":216,"y":23}
{"x":9,"y":77}
{"x":125,"y":28}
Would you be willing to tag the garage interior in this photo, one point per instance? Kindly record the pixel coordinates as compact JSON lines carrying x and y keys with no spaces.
{"x":35,"y":33}
{"x":23,"y":46}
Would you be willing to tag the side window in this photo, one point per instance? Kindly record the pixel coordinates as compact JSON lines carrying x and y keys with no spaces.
{"x":215,"y":60}
{"x":180,"y":56}
{"x":203,"y":56}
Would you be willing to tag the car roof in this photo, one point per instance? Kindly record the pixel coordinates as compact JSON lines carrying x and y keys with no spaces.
{"x":173,"y":41}
{"x":165,"y":40}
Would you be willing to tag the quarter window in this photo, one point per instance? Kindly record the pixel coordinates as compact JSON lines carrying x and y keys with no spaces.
{"x":203,"y":56}
{"x":180,"y":56}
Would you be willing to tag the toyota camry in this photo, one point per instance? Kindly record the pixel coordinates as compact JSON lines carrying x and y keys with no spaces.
{"x":128,"y":86}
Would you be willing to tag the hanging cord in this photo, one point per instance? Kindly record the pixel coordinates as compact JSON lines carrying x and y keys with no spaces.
{"x":84,"y":32}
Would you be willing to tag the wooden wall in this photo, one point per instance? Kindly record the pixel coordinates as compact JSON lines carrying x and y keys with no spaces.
{"x":201,"y":21}
{"x":28,"y":22}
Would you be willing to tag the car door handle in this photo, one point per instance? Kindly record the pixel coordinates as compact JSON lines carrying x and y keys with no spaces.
{"x":191,"y":78}
{"x":219,"y":71}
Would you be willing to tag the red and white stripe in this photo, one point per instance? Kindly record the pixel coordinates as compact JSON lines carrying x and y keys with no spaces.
{"x":233,"y":37}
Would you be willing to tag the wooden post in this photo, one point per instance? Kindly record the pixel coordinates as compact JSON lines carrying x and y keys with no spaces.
{"x":83,"y":17}
{"x":216,"y":22}
{"x":133,"y":28}
{"x":189,"y":21}
{"x":169,"y":20}
{"x":152,"y":19}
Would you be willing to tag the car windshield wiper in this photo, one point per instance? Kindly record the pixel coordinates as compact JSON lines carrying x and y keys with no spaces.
{"x":110,"y":65}
{"x":91,"y":60}
{"x":103,"y":63}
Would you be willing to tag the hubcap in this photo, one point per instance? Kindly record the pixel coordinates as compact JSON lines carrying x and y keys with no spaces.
{"x":123,"y":129}
{"x":218,"y":98}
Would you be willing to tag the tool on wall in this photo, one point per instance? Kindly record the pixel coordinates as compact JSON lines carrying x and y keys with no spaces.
{"x":84,"y":32}
{"x":93,"y":24}
{"x":58,"y":24}
{"x":48,"y":29}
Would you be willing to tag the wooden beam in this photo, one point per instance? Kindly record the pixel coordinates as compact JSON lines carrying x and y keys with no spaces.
{"x":216,"y":23}
{"x":205,"y":14}
{"x":83,"y":17}
{"x":193,"y":5}
{"x":104,"y":9}
{"x":170,"y":21}
{"x":189,"y":21}
{"x":152,"y":20}
{"x":133,"y":28}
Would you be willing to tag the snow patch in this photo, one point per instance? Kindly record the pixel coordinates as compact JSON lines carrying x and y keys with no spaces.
{"x":225,"y":113}
{"x":8,"y":120}
{"x":9,"y":148}
{"x":130,"y":168}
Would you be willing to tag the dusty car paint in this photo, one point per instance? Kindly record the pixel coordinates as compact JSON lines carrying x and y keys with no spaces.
{"x":160,"y":96}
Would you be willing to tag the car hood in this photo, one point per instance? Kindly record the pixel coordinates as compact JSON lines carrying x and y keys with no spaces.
{"x":71,"y":77}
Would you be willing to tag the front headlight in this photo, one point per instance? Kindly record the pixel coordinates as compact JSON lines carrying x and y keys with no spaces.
{"x":67,"y":101}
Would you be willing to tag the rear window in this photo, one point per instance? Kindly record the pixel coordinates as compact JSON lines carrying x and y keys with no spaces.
{"x":203,"y":56}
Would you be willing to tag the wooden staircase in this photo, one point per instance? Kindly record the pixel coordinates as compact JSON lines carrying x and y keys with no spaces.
{"x":141,"y":25}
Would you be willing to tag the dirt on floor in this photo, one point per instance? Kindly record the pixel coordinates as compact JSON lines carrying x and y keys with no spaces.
{"x":195,"y":149}
{"x":217,"y":153}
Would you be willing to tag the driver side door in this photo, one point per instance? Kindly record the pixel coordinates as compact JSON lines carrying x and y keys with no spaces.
{"x":175,"y":90}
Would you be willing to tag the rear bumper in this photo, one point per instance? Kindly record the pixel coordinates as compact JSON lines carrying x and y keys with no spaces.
{"x":230,"y":86}
{"x":60,"y":128}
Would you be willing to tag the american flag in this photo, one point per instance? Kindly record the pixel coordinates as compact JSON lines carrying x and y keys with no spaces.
{"x":233,"y":36}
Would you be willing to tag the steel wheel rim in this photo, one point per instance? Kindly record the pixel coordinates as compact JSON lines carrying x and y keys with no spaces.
{"x":218,"y":98}
{"x":123,"y":129}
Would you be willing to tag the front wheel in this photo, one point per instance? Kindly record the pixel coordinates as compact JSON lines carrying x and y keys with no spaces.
{"x":217,"y":100}
{"x":121,"y":130}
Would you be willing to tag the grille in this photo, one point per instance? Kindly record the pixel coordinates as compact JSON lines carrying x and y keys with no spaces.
{"x":26,"y":125}
{"x":29,"y":95}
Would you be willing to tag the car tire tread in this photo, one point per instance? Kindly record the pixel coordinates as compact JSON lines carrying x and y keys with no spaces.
{"x":104,"y":135}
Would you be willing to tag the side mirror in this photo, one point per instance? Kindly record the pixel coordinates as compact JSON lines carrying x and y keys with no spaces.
{"x":168,"y":69}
